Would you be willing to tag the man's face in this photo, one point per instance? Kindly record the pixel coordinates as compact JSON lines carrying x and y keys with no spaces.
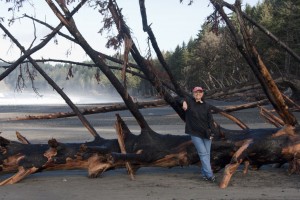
{"x":198,"y":95}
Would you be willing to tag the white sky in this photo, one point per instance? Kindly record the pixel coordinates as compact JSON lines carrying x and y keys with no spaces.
{"x":172,"y":24}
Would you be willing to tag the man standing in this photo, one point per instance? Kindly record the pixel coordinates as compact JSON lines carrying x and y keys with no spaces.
{"x":199,"y":125}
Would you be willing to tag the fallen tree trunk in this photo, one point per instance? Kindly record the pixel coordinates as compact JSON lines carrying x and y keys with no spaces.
{"x":255,"y":146}
{"x":95,"y":110}
{"x":141,"y":105}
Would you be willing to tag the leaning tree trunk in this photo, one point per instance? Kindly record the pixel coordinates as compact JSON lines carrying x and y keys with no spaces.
{"x":144,"y":65}
{"x":263,"y":29}
{"x":264,"y":76}
{"x":71,"y":26}
{"x":160,"y":57}
{"x":254,"y":60}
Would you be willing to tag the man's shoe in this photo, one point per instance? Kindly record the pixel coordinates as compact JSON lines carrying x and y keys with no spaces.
{"x":212,"y":179}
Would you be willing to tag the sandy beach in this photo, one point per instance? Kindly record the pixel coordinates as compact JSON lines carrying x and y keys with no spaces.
{"x":150,"y":183}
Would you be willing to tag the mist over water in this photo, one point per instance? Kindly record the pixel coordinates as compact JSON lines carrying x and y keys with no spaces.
{"x":31,"y":98}
{"x":79,"y":93}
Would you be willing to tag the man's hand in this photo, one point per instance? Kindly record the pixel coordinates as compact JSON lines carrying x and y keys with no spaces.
{"x":184,"y":106}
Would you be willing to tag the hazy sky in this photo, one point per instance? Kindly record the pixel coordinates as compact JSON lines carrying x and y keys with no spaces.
{"x":172,"y":24}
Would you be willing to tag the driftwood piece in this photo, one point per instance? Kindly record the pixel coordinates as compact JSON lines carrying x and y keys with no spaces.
{"x":21,"y":138}
{"x":22,"y":173}
{"x":246,"y":105}
{"x":236,"y":160}
{"x":121,"y":138}
{"x":276,"y":121}
{"x":291,"y":102}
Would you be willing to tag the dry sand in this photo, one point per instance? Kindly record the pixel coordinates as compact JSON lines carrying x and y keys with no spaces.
{"x":151,"y":183}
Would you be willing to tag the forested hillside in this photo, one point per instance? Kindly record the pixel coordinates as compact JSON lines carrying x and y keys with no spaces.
{"x":212,"y":60}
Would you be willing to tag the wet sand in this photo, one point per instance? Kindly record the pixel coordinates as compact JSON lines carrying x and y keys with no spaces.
{"x":151,"y":183}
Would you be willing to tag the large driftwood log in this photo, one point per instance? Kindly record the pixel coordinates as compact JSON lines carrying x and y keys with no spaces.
{"x":254,"y":146}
